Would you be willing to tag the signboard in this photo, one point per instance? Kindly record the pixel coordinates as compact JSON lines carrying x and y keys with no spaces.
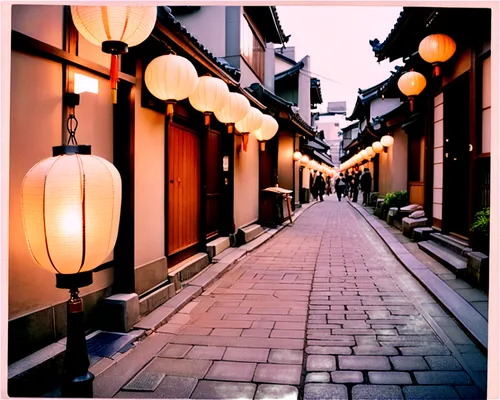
{"x":225,"y":163}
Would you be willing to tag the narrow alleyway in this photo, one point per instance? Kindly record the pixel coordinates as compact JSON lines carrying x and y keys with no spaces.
{"x":321,"y":311}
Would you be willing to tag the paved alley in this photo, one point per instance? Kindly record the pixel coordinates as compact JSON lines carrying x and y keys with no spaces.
{"x":321,"y":311}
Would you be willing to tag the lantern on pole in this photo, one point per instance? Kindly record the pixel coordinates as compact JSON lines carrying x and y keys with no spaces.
{"x":210,"y":95}
{"x":235,"y":110}
{"x":171,"y":78}
{"x":251,"y":122}
{"x":297,"y":156}
{"x":71,"y":211}
{"x":370,"y":152}
{"x":377,"y":147}
{"x":437,"y":49}
{"x":304,"y":160}
{"x":387,"y":141}
{"x":266,"y":131}
{"x":411,"y":84}
{"x":115,"y":29}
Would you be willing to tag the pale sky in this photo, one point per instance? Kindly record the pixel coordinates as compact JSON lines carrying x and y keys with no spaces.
{"x":337,"y":41}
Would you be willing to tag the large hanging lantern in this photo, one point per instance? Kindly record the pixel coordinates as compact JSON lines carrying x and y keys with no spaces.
{"x":297,"y":156}
{"x":251,"y":122}
{"x":210,"y":95}
{"x":171,"y":78}
{"x":304,"y":160}
{"x":387,"y":141}
{"x":115,"y":29}
{"x":411,"y":84}
{"x":377,"y":147}
{"x":266,"y":131}
{"x":235,"y":110}
{"x":436,"y":49}
{"x":71,"y":210}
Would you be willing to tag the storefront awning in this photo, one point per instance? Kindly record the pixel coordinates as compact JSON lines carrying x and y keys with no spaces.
{"x":323,"y":158}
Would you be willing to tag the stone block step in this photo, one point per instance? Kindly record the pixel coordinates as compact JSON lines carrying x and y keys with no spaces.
{"x":217,"y":246}
{"x":186,"y":269}
{"x":421,"y":234}
{"x":249,"y":233}
{"x":456,"y":245}
{"x":455,"y":263}
{"x":156,"y":297}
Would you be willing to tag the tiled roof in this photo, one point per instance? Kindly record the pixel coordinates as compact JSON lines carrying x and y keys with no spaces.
{"x":290,"y":72}
{"x":379,"y":47}
{"x":316,"y":97}
{"x":168,"y":19}
{"x":284,"y":58}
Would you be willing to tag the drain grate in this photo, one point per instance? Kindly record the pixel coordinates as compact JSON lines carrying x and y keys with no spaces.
{"x":105,"y":344}
{"x":145,"y":382}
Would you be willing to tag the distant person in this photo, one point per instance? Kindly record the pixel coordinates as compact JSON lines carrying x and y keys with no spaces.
{"x":320,"y":186}
{"x":366,"y":185}
{"x":340,"y":186}
{"x":347,"y":181}
{"x":355,"y":184}
{"x":314,"y":192}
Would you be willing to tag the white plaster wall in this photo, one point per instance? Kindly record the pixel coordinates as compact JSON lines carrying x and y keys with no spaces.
{"x":280,"y":65}
{"x":247,"y":75}
{"x":304,"y":102}
{"x":209,"y":26}
{"x":48,"y":27}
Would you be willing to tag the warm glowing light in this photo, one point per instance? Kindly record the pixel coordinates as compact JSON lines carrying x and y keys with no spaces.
{"x":387,"y":141}
{"x":210,"y":95}
{"x":85,"y":83}
{"x":297,"y":156}
{"x":377,"y":147}
{"x":436,"y":49}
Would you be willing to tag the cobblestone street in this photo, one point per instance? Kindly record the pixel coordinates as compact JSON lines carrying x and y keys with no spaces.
{"x":321,"y":311}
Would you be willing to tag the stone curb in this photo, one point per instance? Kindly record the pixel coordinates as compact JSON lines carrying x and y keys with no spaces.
{"x":467,"y":316}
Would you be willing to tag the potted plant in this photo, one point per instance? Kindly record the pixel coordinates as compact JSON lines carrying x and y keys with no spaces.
{"x":481,"y":231}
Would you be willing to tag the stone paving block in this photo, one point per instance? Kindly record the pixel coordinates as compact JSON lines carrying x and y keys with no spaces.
{"x":443,"y":363}
{"x":277,"y":373}
{"x":471,"y":392}
{"x":195,"y":330}
{"x":206,"y":353}
{"x":431,"y":393}
{"x":442,"y":378}
{"x":320,"y":363}
{"x":284,"y":356}
{"x":256,"y":333}
{"x":409,"y":363}
{"x":285,"y":333}
{"x":318,"y":377}
{"x":175,"y":350}
{"x":172,"y":387}
{"x":425,"y":351}
{"x":389,"y":378}
{"x":322,"y":391}
{"x":263,"y":324}
{"x":364,"y":363}
{"x":246,"y":354}
{"x":347,"y":377}
{"x":226,"y":332}
{"x":224,"y":390}
{"x":375,"y":350}
{"x":379,"y":392}
{"x":180,"y":367}
{"x":231,"y":371}
{"x":278,"y":392}
{"x":328,"y":350}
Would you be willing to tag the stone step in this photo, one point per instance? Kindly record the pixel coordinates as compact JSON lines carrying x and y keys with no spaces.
{"x":249,"y":233}
{"x":458,"y":246}
{"x":155,"y":297}
{"x":451,"y":260}
{"x":217,"y":246}
{"x":421,"y":234}
{"x":186,"y":269}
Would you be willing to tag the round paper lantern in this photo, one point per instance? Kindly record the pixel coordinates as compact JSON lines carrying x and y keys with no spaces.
{"x":71,"y":210}
{"x":267,"y":130}
{"x":171,"y":78}
{"x":115,"y":29}
{"x":210,"y":95}
{"x":235,"y":110}
{"x":297,"y":156}
{"x":411,"y":84}
{"x":436,"y":49}
{"x":387,"y":141}
{"x":377,"y":147}
{"x":364,"y":155}
{"x":304,"y":160}
{"x":370,"y":152}
{"x":251,"y":122}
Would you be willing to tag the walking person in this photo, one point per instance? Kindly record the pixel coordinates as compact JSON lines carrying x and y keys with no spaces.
{"x":347,"y":181}
{"x":314,"y":192}
{"x":355,"y":185}
{"x":340,"y":186}
{"x":320,"y":186}
{"x":366,"y":185}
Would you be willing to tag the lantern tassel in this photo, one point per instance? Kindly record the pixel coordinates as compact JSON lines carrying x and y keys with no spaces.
{"x":230,"y":128}
{"x":113,"y":76}
{"x":437,"y":71}
{"x":207,"y":119}
{"x":411,"y":104}
{"x":263,"y":146}
{"x":245,"y":142}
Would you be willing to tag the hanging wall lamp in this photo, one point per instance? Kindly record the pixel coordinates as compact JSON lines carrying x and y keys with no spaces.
{"x":171,"y":78}
{"x":210,"y":95}
{"x":437,"y":49}
{"x":411,"y":84}
{"x":377,"y":147}
{"x":387,"y":141}
{"x":235,"y":110}
{"x":266,"y":131}
{"x":297,"y":155}
{"x":304,"y":160}
{"x":71,"y":211}
{"x":115,"y":29}
{"x":370,"y":152}
{"x":251,"y":122}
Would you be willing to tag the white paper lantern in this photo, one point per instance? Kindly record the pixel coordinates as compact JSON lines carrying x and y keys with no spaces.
{"x":387,"y":141}
{"x":114,"y":28}
{"x":235,"y":110}
{"x":304,"y":160}
{"x":267,"y":130}
{"x":377,"y":147}
{"x":297,"y":156}
{"x":210,"y":95}
{"x":370,"y":152}
{"x":71,"y":211}
{"x":171,"y":78}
